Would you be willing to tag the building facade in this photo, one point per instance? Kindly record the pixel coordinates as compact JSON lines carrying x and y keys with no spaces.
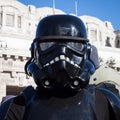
{"x":17,"y":30}
{"x":117,"y":40}
{"x":104,"y":37}
{"x":99,"y":33}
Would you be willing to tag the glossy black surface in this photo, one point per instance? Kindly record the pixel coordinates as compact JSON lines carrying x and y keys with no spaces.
{"x":76,"y":107}
{"x":62,"y":64}
{"x":61,"y":25}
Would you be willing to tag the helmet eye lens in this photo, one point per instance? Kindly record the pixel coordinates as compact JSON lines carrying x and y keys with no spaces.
{"x":76,"y":45}
{"x":45,"y":45}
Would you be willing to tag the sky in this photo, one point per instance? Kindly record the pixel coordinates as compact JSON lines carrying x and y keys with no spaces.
{"x":105,"y":10}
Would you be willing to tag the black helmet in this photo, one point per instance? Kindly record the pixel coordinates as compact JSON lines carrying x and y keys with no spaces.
{"x":60,"y":53}
{"x":61,"y":27}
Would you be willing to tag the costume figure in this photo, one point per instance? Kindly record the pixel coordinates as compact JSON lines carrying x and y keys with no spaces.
{"x":62,"y":61}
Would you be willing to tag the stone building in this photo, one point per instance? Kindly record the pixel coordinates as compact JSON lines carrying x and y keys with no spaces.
{"x":99,"y":33}
{"x":117,"y":40}
{"x":17,"y":30}
{"x":102,"y":35}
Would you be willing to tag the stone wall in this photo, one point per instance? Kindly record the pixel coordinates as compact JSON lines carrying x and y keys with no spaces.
{"x":12,"y":70}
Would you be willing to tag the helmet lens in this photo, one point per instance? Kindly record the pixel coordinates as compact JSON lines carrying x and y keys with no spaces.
{"x":45,"y":45}
{"x":75,"y":45}
{"x":78,"y":46}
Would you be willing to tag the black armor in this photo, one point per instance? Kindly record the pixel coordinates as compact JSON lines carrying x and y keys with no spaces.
{"x":62,"y":61}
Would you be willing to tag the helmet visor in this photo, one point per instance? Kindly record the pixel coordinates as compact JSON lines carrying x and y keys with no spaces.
{"x":78,"y":43}
{"x":75,"y":45}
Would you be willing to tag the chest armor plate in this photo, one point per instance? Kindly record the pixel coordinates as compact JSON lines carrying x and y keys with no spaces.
{"x":78,"y":107}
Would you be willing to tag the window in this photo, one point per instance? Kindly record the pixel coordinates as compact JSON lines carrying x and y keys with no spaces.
{"x":0,"y":18}
{"x":100,"y":36}
{"x":19,"y":21}
{"x":106,"y":24}
{"x":93,"y":35}
{"x":9,"y":20}
{"x":107,"y":42}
